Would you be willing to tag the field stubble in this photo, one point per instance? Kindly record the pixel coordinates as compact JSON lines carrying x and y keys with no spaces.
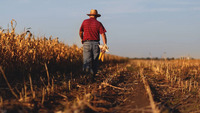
{"x":39,"y":73}
{"x":174,"y":84}
{"x":44,"y":75}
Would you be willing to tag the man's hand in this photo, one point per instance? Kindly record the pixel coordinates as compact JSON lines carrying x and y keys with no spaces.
{"x":104,"y":48}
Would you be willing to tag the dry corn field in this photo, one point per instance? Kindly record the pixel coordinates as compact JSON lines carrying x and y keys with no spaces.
{"x":43,"y":75}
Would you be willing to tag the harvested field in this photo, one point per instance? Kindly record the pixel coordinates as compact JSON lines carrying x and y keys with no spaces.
{"x":40,"y":75}
{"x":118,"y":88}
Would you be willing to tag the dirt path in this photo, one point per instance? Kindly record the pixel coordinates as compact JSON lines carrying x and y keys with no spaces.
{"x":136,"y":100}
{"x":121,"y":88}
{"x":127,"y":91}
{"x":118,"y":89}
{"x":129,"y":87}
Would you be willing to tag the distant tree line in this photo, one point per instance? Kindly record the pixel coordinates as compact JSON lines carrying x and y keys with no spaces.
{"x":157,"y":58}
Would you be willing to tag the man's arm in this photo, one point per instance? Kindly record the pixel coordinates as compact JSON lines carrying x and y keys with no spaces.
{"x":103,"y":35}
{"x":81,"y":36}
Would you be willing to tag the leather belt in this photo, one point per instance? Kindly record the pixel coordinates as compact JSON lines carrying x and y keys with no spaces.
{"x":91,"y":41}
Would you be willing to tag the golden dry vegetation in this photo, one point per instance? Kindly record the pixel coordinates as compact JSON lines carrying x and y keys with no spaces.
{"x":35,"y":69}
{"x":174,"y":83}
{"x":26,"y":53}
{"x":39,"y":74}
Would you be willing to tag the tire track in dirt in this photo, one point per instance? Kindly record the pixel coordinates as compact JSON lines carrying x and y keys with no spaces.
{"x":140,"y":98}
{"x":118,"y":89}
{"x":126,"y":92}
{"x":137,"y":100}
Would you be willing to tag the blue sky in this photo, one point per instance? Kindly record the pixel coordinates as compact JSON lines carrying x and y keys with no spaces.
{"x":135,"y":28}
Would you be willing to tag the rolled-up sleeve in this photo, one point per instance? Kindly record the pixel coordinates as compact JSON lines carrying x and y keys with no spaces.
{"x":102,"y":29}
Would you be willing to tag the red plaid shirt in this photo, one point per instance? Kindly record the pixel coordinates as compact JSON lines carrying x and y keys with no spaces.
{"x":92,"y":28}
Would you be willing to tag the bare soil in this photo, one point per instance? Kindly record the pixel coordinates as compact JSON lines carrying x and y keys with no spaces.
{"x":118,"y":89}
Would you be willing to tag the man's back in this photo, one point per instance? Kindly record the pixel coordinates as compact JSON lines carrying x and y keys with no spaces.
{"x":92,"y":28}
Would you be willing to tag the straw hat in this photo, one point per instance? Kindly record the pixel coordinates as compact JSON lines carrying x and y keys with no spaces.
{"x":94,"y":12}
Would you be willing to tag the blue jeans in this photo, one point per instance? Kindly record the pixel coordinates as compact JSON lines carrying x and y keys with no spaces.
{"x":91,"y":52}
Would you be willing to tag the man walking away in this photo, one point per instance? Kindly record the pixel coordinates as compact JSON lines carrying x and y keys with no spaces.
{"x":90,"y":31}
